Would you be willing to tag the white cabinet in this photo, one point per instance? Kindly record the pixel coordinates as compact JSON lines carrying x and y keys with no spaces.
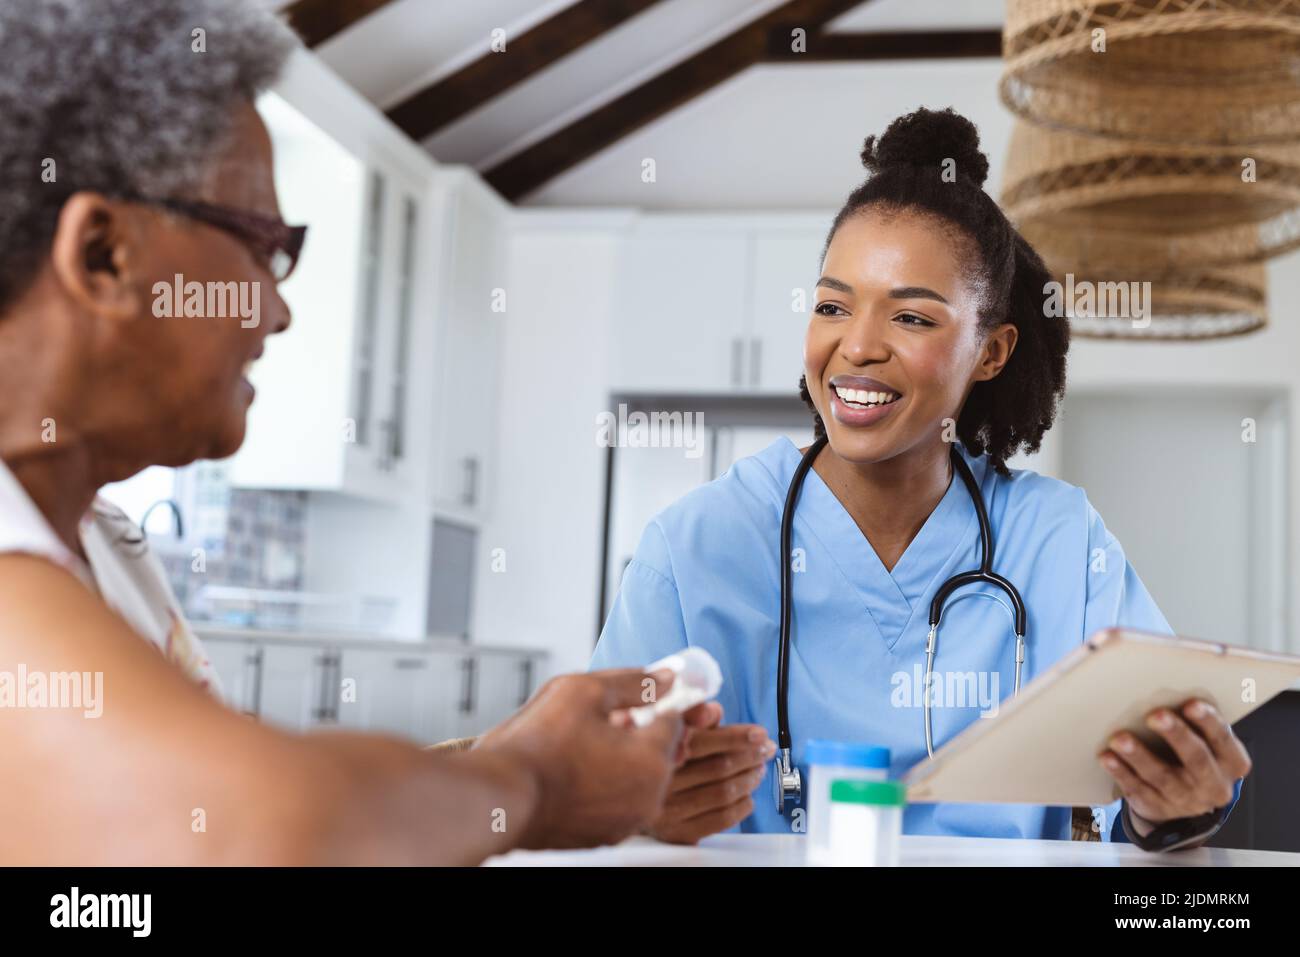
{"x":334,"y":401}
{"x":297,"y":685}
{"x":425,"y":694}
{"x":680,"y":310}
{"x":385,"y":386}
{"x":238,"y":665}
{"x":501,"y":685}
{"x":713,"y":305}
{"x":474,"y":304}
{"x":410,"y":694}
{"x":785,"y":268}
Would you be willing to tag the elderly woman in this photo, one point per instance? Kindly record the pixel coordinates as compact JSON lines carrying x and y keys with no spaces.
{"x":132,"y":154}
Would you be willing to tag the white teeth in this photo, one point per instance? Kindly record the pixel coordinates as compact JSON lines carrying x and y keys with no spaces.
{"x":248,"y":367}
{"x":863,"y":397}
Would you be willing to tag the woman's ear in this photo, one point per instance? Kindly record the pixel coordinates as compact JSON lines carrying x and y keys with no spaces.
{"x":94,"y":254}
{"x":998,"y":346}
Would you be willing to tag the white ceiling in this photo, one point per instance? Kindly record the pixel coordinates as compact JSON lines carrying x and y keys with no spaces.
{"x":921,"y":15}
{"x":781,"y":137}
{"x":775,"y":136}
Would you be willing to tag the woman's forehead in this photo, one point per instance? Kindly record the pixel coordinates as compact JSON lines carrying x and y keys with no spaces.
{"x":897,"y":244}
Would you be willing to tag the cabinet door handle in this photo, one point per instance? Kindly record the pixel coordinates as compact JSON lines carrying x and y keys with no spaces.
{"x":336,"y":682}
{"x":525,"y":681}
{"x":322,"y":711}
{"x":410,"y":664}
{"x":755,"y":360}
{"x":386,"y":456}
{"x":468,"y":672}
{"x":737,"y":360}
{"x":388,"y":445}
{"x":470,"y":495}
{"x":254,"y":701}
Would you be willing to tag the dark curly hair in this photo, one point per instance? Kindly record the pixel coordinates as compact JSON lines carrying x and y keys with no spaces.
{"x":1012,"y":411}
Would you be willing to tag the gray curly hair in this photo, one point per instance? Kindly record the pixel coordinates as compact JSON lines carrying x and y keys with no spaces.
{"x":117,"y":96}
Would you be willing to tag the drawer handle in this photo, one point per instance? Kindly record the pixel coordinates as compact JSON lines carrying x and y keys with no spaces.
{"x":468,"y":670}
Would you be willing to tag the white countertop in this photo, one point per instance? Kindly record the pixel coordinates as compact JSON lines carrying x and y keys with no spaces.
{"x":786,"y":850}
{"x":218,"y":631}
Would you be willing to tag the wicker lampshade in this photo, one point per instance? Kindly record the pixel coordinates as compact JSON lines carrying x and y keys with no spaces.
{"x":1159,"y":188}
{"x":1184,"y":303}
{"x":1088,"y":236}
{"x":1210,"y":305}
{"x":1207,"y":72}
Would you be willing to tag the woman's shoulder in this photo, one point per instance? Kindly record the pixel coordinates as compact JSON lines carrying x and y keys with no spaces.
{"x":1028,"y":498}
{"x":744,"y":502}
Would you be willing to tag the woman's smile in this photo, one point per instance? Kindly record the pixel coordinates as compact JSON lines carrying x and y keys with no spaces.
{"x":859,"y":401}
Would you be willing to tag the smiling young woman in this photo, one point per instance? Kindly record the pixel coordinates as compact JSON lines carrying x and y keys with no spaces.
{"x":928,"y":349}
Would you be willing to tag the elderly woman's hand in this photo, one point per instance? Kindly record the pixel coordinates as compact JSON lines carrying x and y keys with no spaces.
{"x":1209,"y":761}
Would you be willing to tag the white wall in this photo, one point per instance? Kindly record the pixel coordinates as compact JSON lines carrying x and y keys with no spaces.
{"x":1169,"y":472}
{"x":550,"y":471}
{"x":1266,"y":360}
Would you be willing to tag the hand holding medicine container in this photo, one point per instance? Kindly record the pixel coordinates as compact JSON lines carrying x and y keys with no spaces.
{"x":866,"y":823}
{"x":835,"y":761}
{"x":696,"y":679}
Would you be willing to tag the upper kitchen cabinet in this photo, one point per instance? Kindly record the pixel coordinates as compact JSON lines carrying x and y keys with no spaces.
{"x":335,"y":393}
{"x":679,"y":308}
{"x":715,"y":304}
{"x":473,"y":308}
{"x":785,"y":265}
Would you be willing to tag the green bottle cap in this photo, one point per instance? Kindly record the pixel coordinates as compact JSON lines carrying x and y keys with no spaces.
{"x":892,"y":793}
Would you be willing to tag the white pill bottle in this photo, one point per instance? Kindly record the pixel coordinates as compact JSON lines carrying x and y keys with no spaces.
{"x":866,"y":823}
{"x":833,"y":761}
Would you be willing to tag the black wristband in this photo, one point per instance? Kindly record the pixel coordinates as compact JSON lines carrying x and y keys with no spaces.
{"x":1171,"y":835}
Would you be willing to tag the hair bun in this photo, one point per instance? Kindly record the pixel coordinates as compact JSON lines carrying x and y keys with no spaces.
{"x":926,"y":138}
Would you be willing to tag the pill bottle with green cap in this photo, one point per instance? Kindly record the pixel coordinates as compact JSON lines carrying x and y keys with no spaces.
{"x":866,"y":823}
{"x":835,"y":761}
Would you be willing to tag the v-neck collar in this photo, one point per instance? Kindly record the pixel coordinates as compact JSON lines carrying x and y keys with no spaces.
{"x":891,"y":598}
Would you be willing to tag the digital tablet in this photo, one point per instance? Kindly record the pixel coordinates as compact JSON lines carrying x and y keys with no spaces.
{"x":1042,"y":746}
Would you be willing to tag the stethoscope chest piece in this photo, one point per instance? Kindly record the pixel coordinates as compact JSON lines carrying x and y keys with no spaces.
{"x":787,"y":784}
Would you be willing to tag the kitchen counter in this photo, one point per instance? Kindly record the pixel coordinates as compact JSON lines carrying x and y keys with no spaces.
{"x":434,"y":643}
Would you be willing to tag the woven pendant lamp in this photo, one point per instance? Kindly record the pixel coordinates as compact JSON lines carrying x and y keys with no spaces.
{"x":1205,"y":72}
{"x":1211,"y":305}
{"x":1183,"y":304}
{"x":1159,"y":188}
{"x":1090,"y":236}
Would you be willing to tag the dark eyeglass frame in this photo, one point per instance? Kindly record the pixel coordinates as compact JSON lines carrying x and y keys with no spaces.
{"x":273,"y":241}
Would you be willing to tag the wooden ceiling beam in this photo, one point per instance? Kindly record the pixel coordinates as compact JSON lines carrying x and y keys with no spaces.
{"x":318,"y":20}
{"x":543,"y":161}
{"x":446,"y":100}
{"x":901,"y":45}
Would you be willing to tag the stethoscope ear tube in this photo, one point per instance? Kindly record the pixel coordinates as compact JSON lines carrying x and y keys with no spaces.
{"x":787,"y":783}
{"x":985,"y":572}
{"x":783,"y":652}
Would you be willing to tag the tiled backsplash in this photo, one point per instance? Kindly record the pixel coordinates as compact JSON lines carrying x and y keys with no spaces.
{"x":233,"y":537}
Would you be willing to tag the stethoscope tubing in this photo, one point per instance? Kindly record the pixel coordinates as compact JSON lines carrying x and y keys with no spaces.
{"x":984,"y":574}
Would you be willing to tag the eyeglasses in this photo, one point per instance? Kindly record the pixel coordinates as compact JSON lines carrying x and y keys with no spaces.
{"x":274,"y":242}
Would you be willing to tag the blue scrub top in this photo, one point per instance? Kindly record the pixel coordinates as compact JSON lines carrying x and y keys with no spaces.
{"x":706,"y":573}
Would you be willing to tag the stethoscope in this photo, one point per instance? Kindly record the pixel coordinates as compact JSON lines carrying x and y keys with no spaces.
{"x":787,"y":782}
